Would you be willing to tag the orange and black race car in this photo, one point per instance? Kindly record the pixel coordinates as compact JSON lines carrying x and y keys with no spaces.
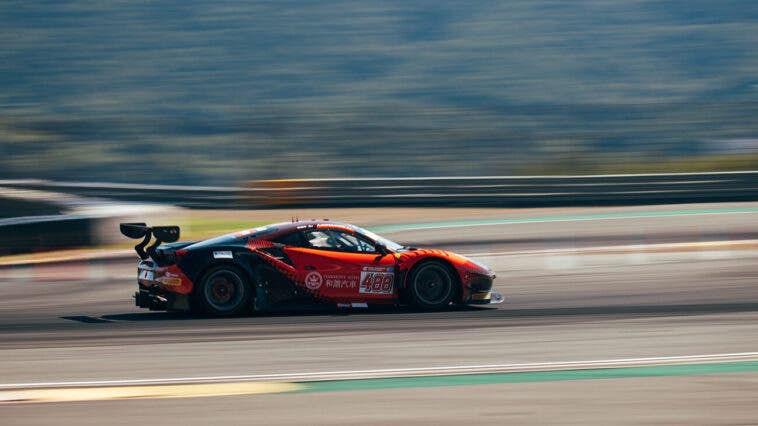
{"x":289,"y":265}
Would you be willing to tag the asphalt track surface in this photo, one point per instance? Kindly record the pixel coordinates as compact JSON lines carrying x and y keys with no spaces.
{"x":633,"y":286}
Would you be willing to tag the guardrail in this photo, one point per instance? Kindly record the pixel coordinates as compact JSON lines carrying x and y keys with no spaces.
{"x":521,"y":191}
{"x":509,"y":191}
{"x":39,"y":233}
{"x":178,"y":195}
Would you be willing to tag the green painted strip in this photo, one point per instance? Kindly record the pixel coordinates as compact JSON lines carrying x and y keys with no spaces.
{"x":633,"y":215}
{"x":531,"y":377}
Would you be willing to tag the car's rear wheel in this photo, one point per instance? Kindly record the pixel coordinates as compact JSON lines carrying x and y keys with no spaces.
{"x":431,"y":285}
{"x":224,"y":291}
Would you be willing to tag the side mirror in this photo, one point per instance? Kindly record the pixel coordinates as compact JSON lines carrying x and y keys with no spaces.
{"x":381,"y":248}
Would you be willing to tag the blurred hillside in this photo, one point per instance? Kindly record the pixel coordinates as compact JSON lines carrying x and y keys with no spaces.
{"x":203,"y":92}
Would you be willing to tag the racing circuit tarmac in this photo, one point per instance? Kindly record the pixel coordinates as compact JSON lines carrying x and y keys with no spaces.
{"x":631,"y":286}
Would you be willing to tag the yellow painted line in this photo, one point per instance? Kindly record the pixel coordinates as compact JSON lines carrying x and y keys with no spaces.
{"x":64,"y":256}
{"x":137,"y":392}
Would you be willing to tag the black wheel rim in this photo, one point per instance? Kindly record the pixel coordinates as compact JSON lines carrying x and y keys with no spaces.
{"x":224,"y":291}
{"x":433,"y":285}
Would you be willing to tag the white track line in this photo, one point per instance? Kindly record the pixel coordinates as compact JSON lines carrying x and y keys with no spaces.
{"x":704,"y":245}
{"x":409,"y":372}
{"x":444,"y":225}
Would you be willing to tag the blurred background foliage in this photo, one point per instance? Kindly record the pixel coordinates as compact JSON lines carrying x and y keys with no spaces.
{"x":216,"y":92}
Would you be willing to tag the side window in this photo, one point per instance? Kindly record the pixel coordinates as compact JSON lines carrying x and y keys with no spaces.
{"x":320,"y":239}
{"x":338,"y":240}
{"x":352,"y":242}
{"x":293,"y":239}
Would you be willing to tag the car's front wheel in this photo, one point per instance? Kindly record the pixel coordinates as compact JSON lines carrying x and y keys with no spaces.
{"x":224,"y":291}
{"x":431,"y":285}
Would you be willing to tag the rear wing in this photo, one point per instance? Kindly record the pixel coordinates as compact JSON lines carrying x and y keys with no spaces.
{"x":163,"y":234}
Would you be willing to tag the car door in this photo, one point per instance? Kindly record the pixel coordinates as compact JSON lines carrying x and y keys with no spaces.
{"x":344,"y":267}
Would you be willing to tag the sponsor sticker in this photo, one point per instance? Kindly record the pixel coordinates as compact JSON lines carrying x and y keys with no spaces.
{"x":340,"y":281}
{"x":222,"y":255}
{"x":481,"y":296}
{"x":378,"y":268}
{"x":375,"y":281}
{"x":313,"y":280}
{"x":171,"y":281}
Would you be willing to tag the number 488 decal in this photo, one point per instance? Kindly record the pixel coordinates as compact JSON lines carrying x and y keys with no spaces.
{"x":377,"y":282}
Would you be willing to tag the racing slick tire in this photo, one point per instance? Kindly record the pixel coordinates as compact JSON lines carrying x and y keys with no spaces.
{"x":432,"y":285}
{"x":224,"y":291}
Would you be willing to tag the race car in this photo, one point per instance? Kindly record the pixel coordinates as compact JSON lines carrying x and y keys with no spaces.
{"x":293,"y":264}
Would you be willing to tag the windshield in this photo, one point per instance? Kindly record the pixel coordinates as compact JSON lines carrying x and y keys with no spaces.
{"x":387,"y":243}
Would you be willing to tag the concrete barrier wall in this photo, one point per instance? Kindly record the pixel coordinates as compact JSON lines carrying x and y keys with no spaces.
{"x":45,"y":233}
{"x":39,"y":220}
{"x":15,"y":207}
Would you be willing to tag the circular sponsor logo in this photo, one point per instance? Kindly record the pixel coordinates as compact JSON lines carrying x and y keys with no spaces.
{"x":313,"y":280}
